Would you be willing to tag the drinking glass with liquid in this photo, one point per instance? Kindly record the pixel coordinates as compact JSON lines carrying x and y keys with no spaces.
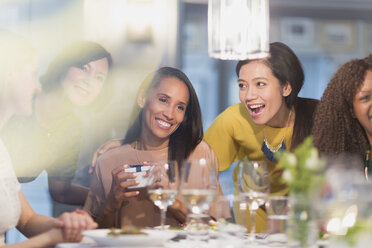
{"x":198,"y":188}
{"x":277,"y":208}
{"x":163,"y":185}
{"x":254,"y":186}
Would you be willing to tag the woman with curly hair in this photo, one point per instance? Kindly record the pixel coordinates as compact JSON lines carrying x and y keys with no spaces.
{"x":343,"y":117}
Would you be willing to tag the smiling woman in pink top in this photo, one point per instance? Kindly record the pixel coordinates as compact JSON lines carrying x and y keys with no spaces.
{"x":167,"y":125}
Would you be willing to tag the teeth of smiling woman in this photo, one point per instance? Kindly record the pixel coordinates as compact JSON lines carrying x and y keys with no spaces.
{"x":81,"y":90}
{"x":165,"y":124}
{"x":256,"y":106}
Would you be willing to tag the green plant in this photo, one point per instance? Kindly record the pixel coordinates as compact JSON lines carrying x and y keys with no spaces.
{"x":303,"y":174}
{"x":302,"y":168}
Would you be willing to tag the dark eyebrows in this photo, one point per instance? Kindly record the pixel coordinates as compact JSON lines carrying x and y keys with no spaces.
{"x":163,"y":95}
{"x":365,"y":91}
{"x":259,"y":78}
{"x":166,"y":96}
{"x":256,"y":78}
{"x":101,"y":74}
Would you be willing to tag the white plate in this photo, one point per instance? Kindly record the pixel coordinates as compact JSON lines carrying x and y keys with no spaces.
{"x":212,"y":233}
{"x":153,"y":238}
{"x":168,"y":229}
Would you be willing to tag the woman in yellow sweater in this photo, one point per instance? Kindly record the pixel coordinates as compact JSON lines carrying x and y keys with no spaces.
{"x":270,"y":116}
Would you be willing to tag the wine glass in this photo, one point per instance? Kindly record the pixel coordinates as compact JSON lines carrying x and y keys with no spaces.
{"x":232,"y":216}
{"x":198,"y":188}
{"x":343,"y":189}
{"x":163,"y":182}
{"x":253,"y":184}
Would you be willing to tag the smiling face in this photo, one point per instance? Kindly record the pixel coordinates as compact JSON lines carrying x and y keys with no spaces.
{"x":164,"y":110}
{"x":262,"y":94}
{"x":363,"y":105}
{"x":23,"y":87}
{"x":83,"y":84}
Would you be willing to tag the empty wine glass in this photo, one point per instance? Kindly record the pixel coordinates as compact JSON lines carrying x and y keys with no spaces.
{"x":253,"y":184}
{"x":198,"y":188}
{"x":163,"y":182}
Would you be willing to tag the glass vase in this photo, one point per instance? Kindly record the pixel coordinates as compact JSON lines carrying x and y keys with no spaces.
{"x":302,"y":223}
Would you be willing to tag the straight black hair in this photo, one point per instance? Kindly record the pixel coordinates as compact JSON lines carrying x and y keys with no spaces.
{"x":190,"y":132}
{"x":287,"y":68}
{"x":75,"y":55}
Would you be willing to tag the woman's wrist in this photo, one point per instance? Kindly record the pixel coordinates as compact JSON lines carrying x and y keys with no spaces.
{"x":111,"y":205}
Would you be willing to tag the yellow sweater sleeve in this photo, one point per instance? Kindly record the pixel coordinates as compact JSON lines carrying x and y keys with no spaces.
{"x":220,"y":136}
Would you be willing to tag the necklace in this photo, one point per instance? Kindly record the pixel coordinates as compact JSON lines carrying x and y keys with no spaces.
{"x":270,"y":150}
{"x":140,"y":151}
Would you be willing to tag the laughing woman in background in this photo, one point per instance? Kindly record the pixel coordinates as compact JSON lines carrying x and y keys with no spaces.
{"x":50,"y":139}
{"x":18,"y":85}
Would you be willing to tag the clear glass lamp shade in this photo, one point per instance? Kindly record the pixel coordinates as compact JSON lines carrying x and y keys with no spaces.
{"x":238,"y":29}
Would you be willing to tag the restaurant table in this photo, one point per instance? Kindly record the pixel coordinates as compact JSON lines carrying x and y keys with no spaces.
{"x":87,"y":243}
{"x":183,"y":243}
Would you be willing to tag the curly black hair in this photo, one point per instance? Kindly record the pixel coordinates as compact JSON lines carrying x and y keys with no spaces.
{"x":335,"y":129}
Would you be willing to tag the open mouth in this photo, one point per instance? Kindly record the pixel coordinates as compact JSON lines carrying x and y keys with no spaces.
{"x":81,"y":90}
{"x":256,"y":109}
{"x":163,"y":124}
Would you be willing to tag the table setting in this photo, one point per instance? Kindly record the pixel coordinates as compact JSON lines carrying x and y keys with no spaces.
{"x":327,"y":206}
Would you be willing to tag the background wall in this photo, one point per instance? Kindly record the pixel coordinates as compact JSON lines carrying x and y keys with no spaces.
{"x":145,"y":34}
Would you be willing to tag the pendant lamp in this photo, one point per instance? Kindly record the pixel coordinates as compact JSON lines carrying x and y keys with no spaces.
{"x":238,"y":29}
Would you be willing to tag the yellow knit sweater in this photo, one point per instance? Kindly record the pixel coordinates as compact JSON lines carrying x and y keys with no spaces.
{"x":234,"y":135}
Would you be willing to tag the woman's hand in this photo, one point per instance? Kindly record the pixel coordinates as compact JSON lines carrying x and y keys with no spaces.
{"x":74,"y":223}
{"x":119,"y":189}
{"x":102,"y":149}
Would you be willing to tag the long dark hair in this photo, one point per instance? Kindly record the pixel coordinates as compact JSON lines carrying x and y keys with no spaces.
{"x":287,"y":68}
{"x":74,"y":55}
{"x":190,"y":132}
{"x":335,"y":129}
{"x":77,"y":54}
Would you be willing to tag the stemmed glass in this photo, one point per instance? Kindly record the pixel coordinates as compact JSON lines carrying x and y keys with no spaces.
{"x":198,"y":188}
{"x":253,"y":184}
{"x":232,"y":216}
{"x":163,"y":182}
